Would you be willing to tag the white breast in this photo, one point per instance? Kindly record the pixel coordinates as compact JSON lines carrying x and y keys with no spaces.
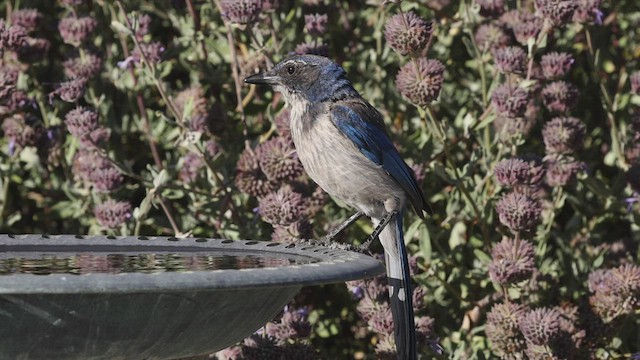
{"x":334,"y":163}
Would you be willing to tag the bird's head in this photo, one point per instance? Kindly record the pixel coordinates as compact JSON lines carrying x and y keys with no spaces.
{"x":304,"y":78}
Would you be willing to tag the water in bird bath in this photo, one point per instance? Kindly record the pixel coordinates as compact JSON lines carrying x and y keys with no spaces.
{"x":149,"y":262}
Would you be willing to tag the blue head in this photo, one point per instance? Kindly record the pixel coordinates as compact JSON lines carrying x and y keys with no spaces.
{"x":308,"y":78}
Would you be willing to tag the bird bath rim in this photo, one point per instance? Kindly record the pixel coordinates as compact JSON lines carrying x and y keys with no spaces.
{"x":332,"y":265}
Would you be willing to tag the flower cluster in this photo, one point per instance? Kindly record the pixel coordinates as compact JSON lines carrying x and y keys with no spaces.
{"x":373,"y":307}
{"x":315,"y":24}
{"x":419,"y":80}
{"x":616,"y":292}
{"x":280,"y":339}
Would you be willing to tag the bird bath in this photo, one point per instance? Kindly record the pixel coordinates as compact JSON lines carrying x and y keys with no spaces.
{"x":105,"y":297}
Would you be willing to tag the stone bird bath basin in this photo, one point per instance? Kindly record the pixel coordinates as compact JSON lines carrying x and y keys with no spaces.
{"x":103,"y":297}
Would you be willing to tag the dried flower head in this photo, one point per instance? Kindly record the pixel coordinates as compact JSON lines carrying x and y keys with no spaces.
{"x":562,"y":170}
{"x":8,"y":80}
{"x":282,"y":122}
{"x":29,"y":19}
{"x":522,"y":171}
{"x":512,"y":261}
{"x":283,"y":207}
{"x":491,"y":7}
{"x":96,"y":138}
{"x":558,"y":11}
{"x":192,"y":105}
{"x":152,"y":52}
{"x":112,"y":214}
{"x":11,"y":37}
{"x":15,"y":101}
{"x":72,"y":90}
{"x":22,"y":130}
{"x":490,"y":36}
{"x":407,"y":33}
{"x":510,"y":59}
{"x":86,"y":66}
{"x":76,"y":30}
{"x":141,"y":24}
{"x":527,"y":27}
{"x":250,"y":178}
{"x":191,"y":168}
{"x":518,"y":212}
{"x":382,"y":320}
{"x":510,"y":100}
{"x":80,"y":121}
{"x":556,"y":64}
{"x":420,"y":81}
{"x":241,"y":11}
{"x":634,"y":78}
{"x":563,"y":135}
{"x":588,"y":11}
{"x":540,"y":326}
{"x":294,"y":324}
{"x":301,"y":229}
{"x":560,"y":96}
{"x":106,"y":178}
{"x":279,"y":160}
{"x":316,"y":24}
{"x":616,"y":291}
{"x":503,"y":330}
{"x":230,"y":353}
{"x":312,"y":48}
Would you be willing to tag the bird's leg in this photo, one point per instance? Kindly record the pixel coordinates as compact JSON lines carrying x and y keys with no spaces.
{"x":338,"y":229}
{"x":327,"y":240}
{"x":385,"y":220}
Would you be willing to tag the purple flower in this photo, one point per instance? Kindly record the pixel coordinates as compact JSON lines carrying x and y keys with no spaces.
{"x":503,"y":330}
{"x":512,"y":261}
{"x":556,"y":64}
{"x":76,"y":30}
{"x":563,"y":135}
{"x":29,"y":19}
{"x":491,"y":7}
{"x":191,"y":168}
{"x":71,"y":91}
{"x":112,"y":214}
{"x":562,"y":170}
{"x":250,"y":178}
{"x":12,"y":37}
{"x":312,"y":48}
{"x":510,"y":100}
{"x":540,"y":326}
{"x":279,"y":160}
{"x":523,"y":171}
{"x":407,"y":33}
{"x":316,"y":24}
{"x":518,"y":212}
{"x":558,"y":11}
{"x":86,"y":66}
{"x":490,"y":36}
{"x":241,"y":11}
{"x":560,"y":96}
{"x":283,"y":207}
{"x":81,"y":121}
{"x":420,"y":80}
{"x":510,"y":59}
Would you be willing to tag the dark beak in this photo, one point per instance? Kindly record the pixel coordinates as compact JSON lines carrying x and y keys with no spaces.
{"x":262,"y":78}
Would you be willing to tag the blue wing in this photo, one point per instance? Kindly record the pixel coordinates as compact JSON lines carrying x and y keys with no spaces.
{"x":363,"y":124}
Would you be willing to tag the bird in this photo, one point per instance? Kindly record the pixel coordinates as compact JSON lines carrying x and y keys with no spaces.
{"x":344,"y":146}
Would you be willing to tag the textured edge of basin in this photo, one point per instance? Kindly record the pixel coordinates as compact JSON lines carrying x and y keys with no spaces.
{"x":333,"y":266}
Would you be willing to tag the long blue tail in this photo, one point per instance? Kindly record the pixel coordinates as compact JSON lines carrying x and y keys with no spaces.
{"x":400,"y":289}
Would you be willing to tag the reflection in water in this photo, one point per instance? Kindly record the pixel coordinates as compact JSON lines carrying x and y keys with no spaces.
{"x":116,"y":263}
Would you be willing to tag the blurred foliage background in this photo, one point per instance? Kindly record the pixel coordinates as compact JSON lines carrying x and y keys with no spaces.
{"x":521,"y":120}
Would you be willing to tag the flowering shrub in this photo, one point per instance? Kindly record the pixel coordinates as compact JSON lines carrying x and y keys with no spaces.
{"x":521,"y":120}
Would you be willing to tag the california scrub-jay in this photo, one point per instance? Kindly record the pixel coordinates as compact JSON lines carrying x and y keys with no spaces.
{"x":343,"y":145}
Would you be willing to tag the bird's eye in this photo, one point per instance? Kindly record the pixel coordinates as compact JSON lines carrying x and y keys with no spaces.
{"x":291,"y":69}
